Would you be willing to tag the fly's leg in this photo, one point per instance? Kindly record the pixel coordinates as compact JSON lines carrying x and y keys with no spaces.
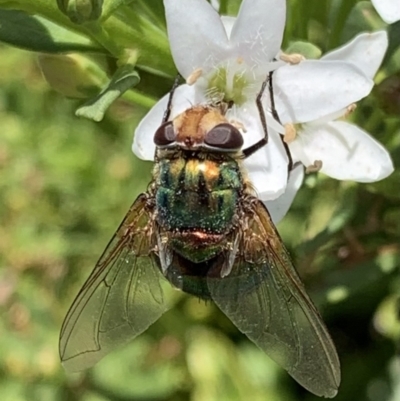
{"x":167,"y":112}
{"x":262,"y":142}
{"x":276,"y":116}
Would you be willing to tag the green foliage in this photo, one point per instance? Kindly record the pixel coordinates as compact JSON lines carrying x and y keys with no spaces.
{"x":124,"y":78}
{"x":66,"y":182}
{"x":38,"y":34}
{"x":80,"y":11}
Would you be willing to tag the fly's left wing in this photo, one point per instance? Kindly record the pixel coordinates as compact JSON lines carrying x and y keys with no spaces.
{"x":264,"y":297}
{"x":122,"y":297}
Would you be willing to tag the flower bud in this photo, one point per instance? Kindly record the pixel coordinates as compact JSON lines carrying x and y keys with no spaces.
{"x":80,"y":11}
{"x":73,"y":75}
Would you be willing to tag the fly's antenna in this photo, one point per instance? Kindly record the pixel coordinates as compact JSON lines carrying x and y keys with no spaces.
{"x":167,"y":112}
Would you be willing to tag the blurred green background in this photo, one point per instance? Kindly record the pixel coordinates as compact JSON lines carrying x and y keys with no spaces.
{"x":65,"y":184}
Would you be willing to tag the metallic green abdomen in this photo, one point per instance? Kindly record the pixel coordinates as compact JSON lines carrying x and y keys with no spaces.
{"x":196,"y":194}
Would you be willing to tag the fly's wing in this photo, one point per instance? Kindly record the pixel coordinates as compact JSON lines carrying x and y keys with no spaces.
{"x":264,"y":297}
{"x":122,"y":297}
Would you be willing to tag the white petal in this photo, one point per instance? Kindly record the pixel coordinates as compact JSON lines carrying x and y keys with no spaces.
{"x":266,"y":168}
{"x":143,"y":145}
{"x":346,"y":152}
{"x":315,"y":88}
{"x":215,"y":4}
{"x":185,"y":96}
{"x":365,"y":51}
{"x":257,"y":33}
{"x":279,"y":207}
{"x":389,"y":10}
{"x":274,"y":124}
{"x":196,"y":35}
{"x":228,"y":23}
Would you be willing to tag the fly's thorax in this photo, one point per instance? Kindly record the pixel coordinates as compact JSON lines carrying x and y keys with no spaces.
{"x":198,"y":192}
{"x":198,"y":181}
{"x":200,"y":171}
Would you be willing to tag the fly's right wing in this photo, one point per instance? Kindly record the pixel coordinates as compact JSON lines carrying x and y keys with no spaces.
{"x":121,"y":298}
{"x":264,"y":297}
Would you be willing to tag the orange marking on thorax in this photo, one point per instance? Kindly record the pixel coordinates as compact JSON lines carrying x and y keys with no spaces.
{"x":211,"y":170}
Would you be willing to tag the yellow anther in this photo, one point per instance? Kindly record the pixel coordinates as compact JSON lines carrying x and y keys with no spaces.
{"x":314,"y":168}
{"x":194,"y":76}
{"x":294,"y":58}
{"x":290,"y":133}
{"x":349,"y":110}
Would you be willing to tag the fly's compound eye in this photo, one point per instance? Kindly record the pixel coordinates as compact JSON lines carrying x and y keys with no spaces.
{"x":224,"y":137}
{"x":165,"y":135}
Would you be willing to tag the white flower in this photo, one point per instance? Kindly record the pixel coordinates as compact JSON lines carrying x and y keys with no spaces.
{"x":389,"y":10}
{"x":234,"y":57}
{"x":228,"y":58}
{"x":279,"y":207}
{"x":346,"y":151}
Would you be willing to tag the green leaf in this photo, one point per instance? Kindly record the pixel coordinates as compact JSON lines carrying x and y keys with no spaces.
{"x":73,"y":75}
{"x":337,"y":15}
{"x":343,"y":212}
{"x":362,"y":17}
{"x":125,"y":78}
{"x":343,"y":283}
{"x":394,"y":40}
{"x":110,"y":6}
{"x":158,"y":381}
{"x":20,"y":29}
{"x":308,"y":50}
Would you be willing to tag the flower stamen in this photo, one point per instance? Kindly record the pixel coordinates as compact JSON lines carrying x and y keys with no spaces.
{"x":294,"y":58}
{"x":314,"y":168}
{"x":194,"y":76}
{"x":349,"y":110}
{"x":290,"y":133}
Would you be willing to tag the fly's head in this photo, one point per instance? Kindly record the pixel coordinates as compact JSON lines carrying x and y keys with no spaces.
{"x":199,"y":128}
